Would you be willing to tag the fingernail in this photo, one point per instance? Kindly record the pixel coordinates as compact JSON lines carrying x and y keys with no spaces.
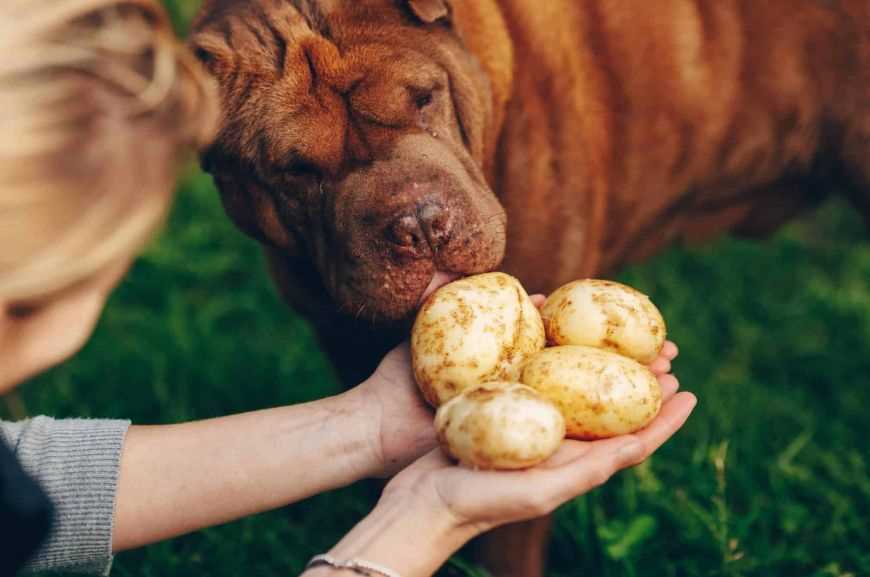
{"x":631,"y":452}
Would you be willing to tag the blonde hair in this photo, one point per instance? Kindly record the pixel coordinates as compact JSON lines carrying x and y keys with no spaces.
{"x":98,"y":100}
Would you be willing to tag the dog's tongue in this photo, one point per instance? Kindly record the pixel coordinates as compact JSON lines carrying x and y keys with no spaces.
{"x":438,"y":280}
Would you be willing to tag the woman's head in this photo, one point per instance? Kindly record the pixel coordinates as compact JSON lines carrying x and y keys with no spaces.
{"x":98,"y":101}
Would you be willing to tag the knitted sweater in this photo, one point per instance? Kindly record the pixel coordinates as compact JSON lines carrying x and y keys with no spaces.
{"x":76,"y":461}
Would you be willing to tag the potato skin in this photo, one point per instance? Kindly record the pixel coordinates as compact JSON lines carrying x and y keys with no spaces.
{"x":601,"y":394}
{"x":471,"y":331}
{"x":607,"y":315}
{"x":500,"y":425}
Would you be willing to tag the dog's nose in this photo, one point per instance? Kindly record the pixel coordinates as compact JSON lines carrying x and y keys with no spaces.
{"x":423,"y":232}
{"x":405,"y":233}
{"x":435,"y":221}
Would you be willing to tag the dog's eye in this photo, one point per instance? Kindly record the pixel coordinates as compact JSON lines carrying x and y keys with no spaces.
{"x":203,"y":55}
{"x":302,"y":169}
{"x":423,"y":98}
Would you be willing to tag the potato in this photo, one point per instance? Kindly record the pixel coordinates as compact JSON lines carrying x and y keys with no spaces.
{"x":471,"y":331}
{"x":601,"y":394}
{"x":500,"y":425}
{"x":607,"y":315}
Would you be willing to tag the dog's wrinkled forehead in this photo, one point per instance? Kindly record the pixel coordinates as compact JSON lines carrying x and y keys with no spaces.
{"x":275,"y":61}
{"x":272,"y":23}
{"x":427,"y":11}
{"x":312,"y":13}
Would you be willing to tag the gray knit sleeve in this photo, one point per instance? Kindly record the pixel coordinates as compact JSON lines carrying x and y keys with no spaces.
{"x":76,"y":461}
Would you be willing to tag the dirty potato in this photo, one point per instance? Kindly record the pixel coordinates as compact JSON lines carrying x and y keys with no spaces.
{"x":499,"y":425}
{"x":472,"y":331}
{"x":607,"y":315}
{"x":601,"y":394}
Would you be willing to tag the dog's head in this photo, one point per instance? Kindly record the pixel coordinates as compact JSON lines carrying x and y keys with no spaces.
{"x":353,"y":138}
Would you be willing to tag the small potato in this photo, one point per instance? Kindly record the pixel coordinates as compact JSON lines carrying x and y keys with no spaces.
{"x":607,"y":315}
{"x":601,"y":394}
{"x":471,"y":331}
{"x":500,"y":426}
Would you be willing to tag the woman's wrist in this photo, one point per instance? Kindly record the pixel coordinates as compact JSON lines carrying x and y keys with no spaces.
{"x":401,"y":422}
{"x":412,"y":534}
{"x":356,"y":424}
{"x":368,"y":416}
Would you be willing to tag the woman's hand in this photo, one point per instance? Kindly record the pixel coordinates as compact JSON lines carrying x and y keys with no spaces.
{"x":405,"y":422}
{"x":483,"y":500}
{"x":662,"y":365}
{"x":433,"y":507}
{"x":404,"y":428}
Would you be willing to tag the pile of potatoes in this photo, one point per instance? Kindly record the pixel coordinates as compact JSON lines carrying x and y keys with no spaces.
{"x":510,"y":382}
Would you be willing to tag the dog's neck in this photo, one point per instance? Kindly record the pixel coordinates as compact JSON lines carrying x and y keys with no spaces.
{"x":484,"y":31}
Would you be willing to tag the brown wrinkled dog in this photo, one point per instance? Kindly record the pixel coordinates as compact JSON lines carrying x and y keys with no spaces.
{"x":370,"y":143}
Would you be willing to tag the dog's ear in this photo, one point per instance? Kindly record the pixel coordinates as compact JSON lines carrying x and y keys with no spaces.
{"x":430,"y":11}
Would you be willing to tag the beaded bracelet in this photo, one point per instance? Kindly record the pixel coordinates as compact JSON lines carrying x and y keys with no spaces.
{"x":355,"y":565}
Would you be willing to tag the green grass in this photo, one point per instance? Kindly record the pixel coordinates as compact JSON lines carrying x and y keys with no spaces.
{"x":769,"y":477}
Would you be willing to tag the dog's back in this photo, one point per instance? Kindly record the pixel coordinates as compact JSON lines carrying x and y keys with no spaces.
{"x":634,"y":124}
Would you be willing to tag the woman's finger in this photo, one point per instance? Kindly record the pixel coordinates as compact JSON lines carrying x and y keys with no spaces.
{"x":669,"y":385}
{"x":538,"y":300}
{"x":569,"y":450}
{"x":607,"y":457}
{"x":672,"y":416}
{"x":660,"y":366}
{"x":669,"y":350}
{"x":594,"y":467}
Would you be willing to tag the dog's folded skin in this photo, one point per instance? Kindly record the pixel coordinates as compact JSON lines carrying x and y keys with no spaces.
{"x":362,"y":140}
